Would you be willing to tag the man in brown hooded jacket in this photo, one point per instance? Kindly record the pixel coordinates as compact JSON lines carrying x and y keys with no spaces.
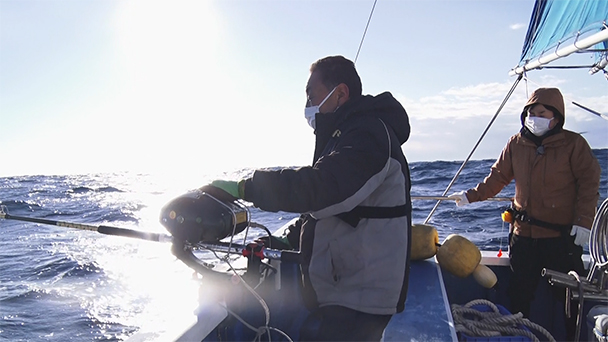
{"x":556,"y":195}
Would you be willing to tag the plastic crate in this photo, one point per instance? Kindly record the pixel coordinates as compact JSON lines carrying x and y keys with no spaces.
{"x":501,"y":309}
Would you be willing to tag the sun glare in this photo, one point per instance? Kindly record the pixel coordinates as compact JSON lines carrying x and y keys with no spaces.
{"x":166,"y":50}
{"x":168,"y":79}
{"x":164,"y":42}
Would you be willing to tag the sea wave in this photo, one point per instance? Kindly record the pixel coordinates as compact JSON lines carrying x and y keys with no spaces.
{"x":20,"y":205}
{"x":59,"y":284}
{"x":82,"y":189}
{"x":47,"y":315}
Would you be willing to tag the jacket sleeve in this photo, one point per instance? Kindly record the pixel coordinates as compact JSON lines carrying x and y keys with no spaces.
{"x":586,"y":170}
{"x":345,"y":176}
{"x":501,"y":174}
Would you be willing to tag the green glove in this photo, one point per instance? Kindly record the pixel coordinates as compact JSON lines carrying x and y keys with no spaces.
{"x":236,"y":189}
{"x":276,"y":242}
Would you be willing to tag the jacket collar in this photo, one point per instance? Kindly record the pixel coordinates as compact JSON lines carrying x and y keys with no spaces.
{"x":544,"y":139}
{"x":550,"y":138}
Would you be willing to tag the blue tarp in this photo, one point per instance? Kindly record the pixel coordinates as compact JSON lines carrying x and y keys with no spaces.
{"x":555,"y":21}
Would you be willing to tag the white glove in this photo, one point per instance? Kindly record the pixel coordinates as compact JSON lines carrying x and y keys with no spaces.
{"x":460,"y":198}
{"x":582,"y":235}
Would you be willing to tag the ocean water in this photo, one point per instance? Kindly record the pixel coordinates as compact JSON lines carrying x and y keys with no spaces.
{"x":62,"y":284}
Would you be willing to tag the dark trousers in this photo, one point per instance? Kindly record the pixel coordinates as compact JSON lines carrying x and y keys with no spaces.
{"x":337,"y":323}
{"x":528,"y":257}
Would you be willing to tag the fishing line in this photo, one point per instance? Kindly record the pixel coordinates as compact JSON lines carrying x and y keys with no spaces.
{"x":365,"y":31}
{"x":234,"y":224}
{"x":500,"y":239}
{"x":266,"y":328}
{"x":241,"y":280}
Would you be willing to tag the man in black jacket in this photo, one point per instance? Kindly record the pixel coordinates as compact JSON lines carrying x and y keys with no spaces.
{"x":355,"y":227}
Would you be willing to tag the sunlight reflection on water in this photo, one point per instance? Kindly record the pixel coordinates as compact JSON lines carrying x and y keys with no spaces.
{"x":146,"y":286}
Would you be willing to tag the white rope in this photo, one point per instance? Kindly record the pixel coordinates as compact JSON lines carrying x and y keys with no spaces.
{"x":473,"y":322}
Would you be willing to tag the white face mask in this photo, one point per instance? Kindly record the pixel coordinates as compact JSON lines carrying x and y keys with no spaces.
{"x":311,"y":112}
{"x":537,"y":125}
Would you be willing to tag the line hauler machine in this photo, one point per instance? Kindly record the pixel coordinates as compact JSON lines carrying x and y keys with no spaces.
{"x":205,"y":215}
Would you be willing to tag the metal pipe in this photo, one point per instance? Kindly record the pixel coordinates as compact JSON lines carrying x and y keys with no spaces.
{"x":596,"y":297}
{"x":566,"y":280}
{"x":563,"y":52}
{"x":441,"y":198}
{"x":235,"y":248}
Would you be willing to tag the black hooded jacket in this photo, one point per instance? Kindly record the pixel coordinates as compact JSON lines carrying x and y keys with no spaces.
{"x":355,"y":231}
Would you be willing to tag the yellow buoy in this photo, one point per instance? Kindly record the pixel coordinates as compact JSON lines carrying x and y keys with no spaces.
{"x":458,"y":255}
{"x":485,"y":276}
{"x":461,"y":257}
{"x":424,"y":241}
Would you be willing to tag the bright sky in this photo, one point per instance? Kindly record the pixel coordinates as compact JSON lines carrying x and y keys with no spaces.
{"x":199,"y":86}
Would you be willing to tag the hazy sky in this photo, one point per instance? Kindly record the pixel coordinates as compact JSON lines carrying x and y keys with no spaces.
{"x":179,"y":87}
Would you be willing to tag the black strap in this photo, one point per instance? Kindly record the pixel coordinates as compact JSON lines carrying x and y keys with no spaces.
{"x":522,"y":216}
{"x":354,"y":216}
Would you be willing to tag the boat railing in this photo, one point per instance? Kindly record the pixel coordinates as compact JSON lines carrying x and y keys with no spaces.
{"x":596,"y":281}
{"x":595,"y":286}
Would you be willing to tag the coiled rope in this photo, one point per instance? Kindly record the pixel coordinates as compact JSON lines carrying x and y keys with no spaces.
{"x":473,"y":322}
{"x":598,"y":248}
{"x":598,"y":243}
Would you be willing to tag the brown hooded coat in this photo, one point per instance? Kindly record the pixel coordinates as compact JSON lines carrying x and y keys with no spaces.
{"x":559,"y":186}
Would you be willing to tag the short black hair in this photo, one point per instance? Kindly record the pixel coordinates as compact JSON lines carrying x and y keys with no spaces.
{"x":337,"y":69}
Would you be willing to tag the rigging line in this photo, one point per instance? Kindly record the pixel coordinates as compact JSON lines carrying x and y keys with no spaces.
{"x":567,"y":67}
{"x":527,"y":80}
{"x":365,"y":31}
{"x":592,"y":50}
{"x":504,"y":102}
{"x":603,"y":116}
{"x":590,"y":110}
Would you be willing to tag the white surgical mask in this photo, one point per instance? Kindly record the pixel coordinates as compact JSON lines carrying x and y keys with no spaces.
{"x":311,"y":112}
{"x":537,"y":125}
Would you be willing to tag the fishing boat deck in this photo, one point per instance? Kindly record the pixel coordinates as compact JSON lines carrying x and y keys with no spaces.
{"x":427,"y":315}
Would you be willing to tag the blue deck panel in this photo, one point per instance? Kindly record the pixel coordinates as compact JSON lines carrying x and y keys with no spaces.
{"x":426,"y":316}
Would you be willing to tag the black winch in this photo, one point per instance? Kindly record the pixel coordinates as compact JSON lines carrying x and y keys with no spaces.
{"x":207,"y":215}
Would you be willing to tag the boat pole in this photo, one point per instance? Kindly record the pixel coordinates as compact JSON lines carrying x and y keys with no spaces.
{"x":591,"y":110}
{"x":108,"y":230}
{"x":442,"y":198}
{"x":289,"y":256}
{"x":504,"y":102}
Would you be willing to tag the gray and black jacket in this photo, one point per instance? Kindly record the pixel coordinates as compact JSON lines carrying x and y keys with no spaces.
{"x":356,"y":223}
